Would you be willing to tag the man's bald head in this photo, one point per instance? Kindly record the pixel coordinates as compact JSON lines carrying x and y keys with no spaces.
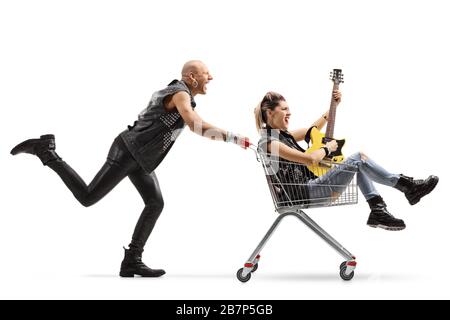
{"x":192,"y":66}
{"x":196,"y":76}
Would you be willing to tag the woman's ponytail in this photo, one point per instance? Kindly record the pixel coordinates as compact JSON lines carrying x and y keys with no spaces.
{"x":258,"y":117}
{"x":270,"y":101}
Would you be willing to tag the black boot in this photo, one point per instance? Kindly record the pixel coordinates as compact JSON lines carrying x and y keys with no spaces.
{"x":132,"y":265}
{"x":381,"y":218}
{"x":44,"y":148}
{"x":414,"y":190}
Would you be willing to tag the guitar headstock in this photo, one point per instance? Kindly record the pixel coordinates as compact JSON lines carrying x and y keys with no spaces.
{"x":337,"y":76}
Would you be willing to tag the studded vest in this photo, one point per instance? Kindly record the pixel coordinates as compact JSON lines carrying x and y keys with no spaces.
{"x":151,"y":137}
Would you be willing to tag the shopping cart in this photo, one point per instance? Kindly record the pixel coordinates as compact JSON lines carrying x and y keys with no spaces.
{"x":291,"y":189}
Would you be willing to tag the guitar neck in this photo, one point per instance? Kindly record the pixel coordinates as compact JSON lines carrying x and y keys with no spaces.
{"x":332,"y":113}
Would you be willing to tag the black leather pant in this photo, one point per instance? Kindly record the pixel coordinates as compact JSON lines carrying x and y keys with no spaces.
{"x":119,"y":164}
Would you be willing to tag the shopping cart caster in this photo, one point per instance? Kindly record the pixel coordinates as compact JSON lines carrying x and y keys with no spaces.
{"x":255,"y":263}
{"x":343,"y":264}
{"x":240,"y":276}
{"x":344,"y":276}
{"x":347,"y":270}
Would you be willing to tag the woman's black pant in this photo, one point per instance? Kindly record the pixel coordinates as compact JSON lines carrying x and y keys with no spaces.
{"x":119,"y":164}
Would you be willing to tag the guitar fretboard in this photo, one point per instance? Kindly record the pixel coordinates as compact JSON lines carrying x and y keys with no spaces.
{"x":332,"y":113}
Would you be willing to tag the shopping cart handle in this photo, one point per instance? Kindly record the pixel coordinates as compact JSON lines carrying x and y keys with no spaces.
{"x":250,"y":145}
{"x":253,"y":147}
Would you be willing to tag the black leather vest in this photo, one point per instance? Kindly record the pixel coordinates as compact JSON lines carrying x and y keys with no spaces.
{"x":289,"y":176}
{"x":151,"y":137}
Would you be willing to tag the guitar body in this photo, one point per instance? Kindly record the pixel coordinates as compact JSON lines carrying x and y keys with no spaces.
{"x":318,"y":140}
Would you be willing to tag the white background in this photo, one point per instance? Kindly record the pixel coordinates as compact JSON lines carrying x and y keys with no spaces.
{"x":83,"y":70}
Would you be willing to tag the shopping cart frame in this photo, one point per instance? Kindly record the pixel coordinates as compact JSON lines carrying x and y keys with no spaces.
{"x":346,"y":268}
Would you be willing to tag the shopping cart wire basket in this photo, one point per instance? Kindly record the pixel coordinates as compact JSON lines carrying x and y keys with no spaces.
{"x":294,"y":187}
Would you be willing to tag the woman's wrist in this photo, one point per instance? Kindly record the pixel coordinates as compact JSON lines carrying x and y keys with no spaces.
{"x":327,"y":151}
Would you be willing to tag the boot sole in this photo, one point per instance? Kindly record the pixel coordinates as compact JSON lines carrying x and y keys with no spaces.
{"x":131,"y":275}
{"x":388,"y":228}
{"x":413,"y":201}
{"x":126,"y":275}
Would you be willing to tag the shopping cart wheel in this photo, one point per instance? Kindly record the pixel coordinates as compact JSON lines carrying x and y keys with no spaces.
{"x":255,"y":267}
{"x":346,"y":277}
{"x":241,"y":278}
{"x":343,"y":264}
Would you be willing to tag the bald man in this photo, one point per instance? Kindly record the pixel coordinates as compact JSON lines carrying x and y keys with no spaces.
{"x":136,"y":152}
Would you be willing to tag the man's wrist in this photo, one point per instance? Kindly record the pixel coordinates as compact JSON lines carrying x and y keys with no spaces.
{"x":231,"y":137}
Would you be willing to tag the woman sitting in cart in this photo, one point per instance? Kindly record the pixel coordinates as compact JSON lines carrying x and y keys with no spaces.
{"x":272,"y":120}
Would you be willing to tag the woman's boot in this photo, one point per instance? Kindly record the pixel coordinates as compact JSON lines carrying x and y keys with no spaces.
{"x":381,"y":218}
{"x":414,"y":190}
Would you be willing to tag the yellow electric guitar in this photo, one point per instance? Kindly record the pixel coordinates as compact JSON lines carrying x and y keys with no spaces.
{"x":318,"y":139}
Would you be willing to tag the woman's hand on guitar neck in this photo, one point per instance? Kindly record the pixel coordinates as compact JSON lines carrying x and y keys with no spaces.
{"x":337,"y":95}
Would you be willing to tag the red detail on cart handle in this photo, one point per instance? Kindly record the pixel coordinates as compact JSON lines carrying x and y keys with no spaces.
{"x":351,"y":263}
{"x":246,"y":143}
{"x":258,"y":256}
{"x":248,"y":265}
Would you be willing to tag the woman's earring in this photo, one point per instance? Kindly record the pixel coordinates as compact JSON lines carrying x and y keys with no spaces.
{"x":195,"y":83}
